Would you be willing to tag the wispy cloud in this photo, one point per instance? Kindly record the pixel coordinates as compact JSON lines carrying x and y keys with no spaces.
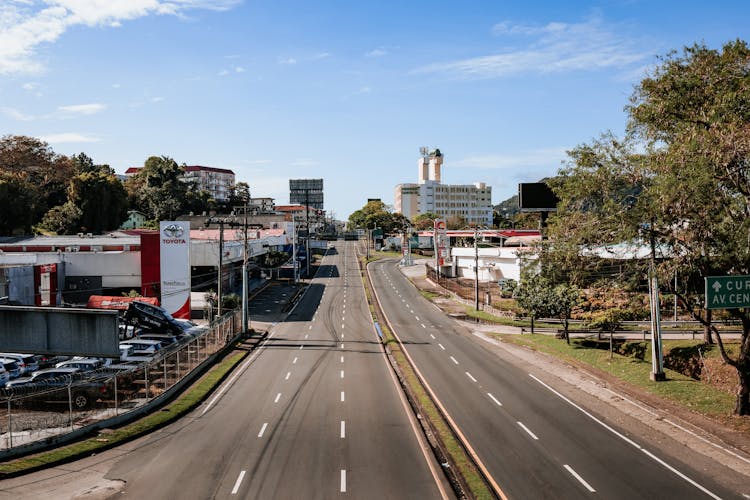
{"x":379,"y":52}
{"x":68,"y":137}
{"x":552,"y":48}
{"x":544,"y":157}
{"x":364,"y":91}
{"x":24,"y":25}
{"x":320,"y":55}
{"x":156,"y":99}
{"x":30,"y":86}
{"x":82,"y":109}
{"x":17,"y":115}
{"x":287,"y":61}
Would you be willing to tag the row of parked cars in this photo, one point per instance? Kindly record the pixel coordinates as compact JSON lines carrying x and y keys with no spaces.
{"x":33,"y":378}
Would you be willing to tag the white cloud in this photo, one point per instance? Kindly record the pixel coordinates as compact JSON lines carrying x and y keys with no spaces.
{"x":26,"y":25}
{"x":30,"y":86}
{"x":553,"y":48}
{"x":68,"y":137}
{"x":364,"y":90}
{"x":156,"y":99}
{"x":320,"y":55}
{"x":116,"y":85}
{"x":223,"y":72}
{"x":83,"y":109}
{"x":17,"y":115}
{"x":288,"y":61}
{"x":239,"y":69}
{"x":544,"y":157}
{"x":376,"y":53}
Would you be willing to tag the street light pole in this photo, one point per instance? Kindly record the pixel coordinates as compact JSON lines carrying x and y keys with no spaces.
{"x":245,"y":312}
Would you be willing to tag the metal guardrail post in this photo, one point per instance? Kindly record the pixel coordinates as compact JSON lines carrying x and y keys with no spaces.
{"x":70,"y":404}
{"x":164,"y":363}
{"x":178,"y":365}
{"x":117,"y":408}
{"x":145,"y":375}
{"x":10,"y":426}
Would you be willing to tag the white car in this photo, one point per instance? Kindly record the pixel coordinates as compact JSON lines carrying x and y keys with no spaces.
{"x":26,"y":362}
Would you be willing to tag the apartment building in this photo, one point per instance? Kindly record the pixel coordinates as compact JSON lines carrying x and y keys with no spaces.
{"x":217,"y":181}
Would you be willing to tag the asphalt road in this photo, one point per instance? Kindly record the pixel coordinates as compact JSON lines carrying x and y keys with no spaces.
{"x":533,"y":441}
{"x":314,"y":413}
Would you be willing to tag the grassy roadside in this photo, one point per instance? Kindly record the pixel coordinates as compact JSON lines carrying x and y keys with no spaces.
{"x":457,"y":454}
{"x":183,"y":404}
{"x":692,"y":394}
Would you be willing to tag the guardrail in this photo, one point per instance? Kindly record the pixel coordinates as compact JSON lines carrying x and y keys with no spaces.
{"x":42,"y":413}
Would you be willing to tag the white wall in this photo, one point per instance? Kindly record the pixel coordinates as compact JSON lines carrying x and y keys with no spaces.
{"x":494,"y":263}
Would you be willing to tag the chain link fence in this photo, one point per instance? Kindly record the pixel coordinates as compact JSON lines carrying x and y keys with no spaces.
{"x":55,"y":406}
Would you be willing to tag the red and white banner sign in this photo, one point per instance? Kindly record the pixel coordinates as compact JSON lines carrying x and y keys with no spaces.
{"x":174,"y":246}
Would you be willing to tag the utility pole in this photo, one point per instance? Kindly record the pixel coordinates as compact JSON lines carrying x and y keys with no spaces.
{"x":294,"y":250}
{"x":657,"y":360}
{"x":245,"y":312}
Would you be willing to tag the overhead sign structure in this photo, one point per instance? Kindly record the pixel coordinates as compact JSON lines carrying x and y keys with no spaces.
{"x":727,"y":292}
{"x":174,"y":247}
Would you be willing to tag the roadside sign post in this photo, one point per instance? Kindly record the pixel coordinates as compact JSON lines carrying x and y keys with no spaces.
{"x":727,"y":292}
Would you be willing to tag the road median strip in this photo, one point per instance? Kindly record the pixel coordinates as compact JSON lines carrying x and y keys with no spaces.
{"x":461,"y":471}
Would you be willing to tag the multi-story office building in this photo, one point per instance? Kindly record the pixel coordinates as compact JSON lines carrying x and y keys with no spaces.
{"x":473,"y":202}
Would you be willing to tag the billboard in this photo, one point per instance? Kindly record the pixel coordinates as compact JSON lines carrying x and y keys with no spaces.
{"x":536,"y":197}
{"x":307,"y":192}
{"x":174,"y":257}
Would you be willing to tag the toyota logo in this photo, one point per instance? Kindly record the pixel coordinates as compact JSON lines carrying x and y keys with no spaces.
{"x":173,"y":231}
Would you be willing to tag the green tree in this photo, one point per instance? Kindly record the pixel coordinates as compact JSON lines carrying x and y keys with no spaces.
{"x":40,"y":172}
{"x":377,"y":214}
{"x":101,"y":198}
{"x":157,"y":190}
{"x":424,"y":221}
{"x":679,"y":178}
{"x":16,"y":196}
{"x":62,"y":219}
{"x":535,"y":296}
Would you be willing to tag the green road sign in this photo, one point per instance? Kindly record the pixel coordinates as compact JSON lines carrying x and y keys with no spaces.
{"x":727,"y":292}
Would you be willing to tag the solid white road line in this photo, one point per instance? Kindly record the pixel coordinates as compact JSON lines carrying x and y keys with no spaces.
{"x":441,"y":346}
{"x":343,"y":481}
{"x":626,"y":439}
{"x":495,"y":400}
{"x":263,"y":429}
{"x":238,"y":482}
{"x":342,"y":396}
{"x":454,"y":360}
{"x":580,"y":479}
{"x":288,"y":374}
{"x":528,"y":431}
{"x":343,"y":429}
{"x":278,"y":396}
{"x":472,"y":378}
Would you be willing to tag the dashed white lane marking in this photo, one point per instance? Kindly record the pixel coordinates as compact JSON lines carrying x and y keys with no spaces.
{"x":342,"y":359}
{"x":528,"y":431}
{"x":343,"y":429}
{"x":310,"y":328}
{"x":469,"y":375}
{"x":342,"y":396}
{"x":278,"y":396}
{"x":494,"y":399}
{"x":306,"y":335}
{"x":288,"y":374}
{"x":454,"y":360}
{"x":433,"y":337}
{"x":626,"y":439}
{"x":342,"y":373}
{"x":238,"y":482}
{"x":342,"y":325}
{"x":262,"y":430}
{"x":441,"y":346}
{"x":416,"y":317}
{"x":301,"y":347}
{"x":580,"y":479}
{"x":423,"y":325}
{"x":342,"y":489}
{"x":342,"y":345}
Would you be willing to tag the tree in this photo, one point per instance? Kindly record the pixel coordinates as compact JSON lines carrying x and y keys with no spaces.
{"x":157,"y":190}
{"x":40,"y":172}
{"x":424,"y":221}
{"x":101,"y":199}
{"x":679,"y":178}
{"x":535,"y":296}
{"x":16,"y":197}
{"x":62,"y":219}
{"x":377,"y":214}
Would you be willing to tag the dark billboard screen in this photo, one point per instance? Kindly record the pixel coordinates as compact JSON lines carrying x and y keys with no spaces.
{"x":536,"y":197}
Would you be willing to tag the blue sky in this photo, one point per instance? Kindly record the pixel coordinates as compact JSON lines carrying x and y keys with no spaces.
{"x":346,"y":91}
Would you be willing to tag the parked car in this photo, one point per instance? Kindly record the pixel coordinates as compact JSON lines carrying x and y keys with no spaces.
{"x":4,"y":376}
{"x":141,"y":350}
{"x":11,"y":366}
{"x":39,"y":388}
{"x":26,"y":362}
{"x":83,"y":364}
{"x":166,"y":339}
